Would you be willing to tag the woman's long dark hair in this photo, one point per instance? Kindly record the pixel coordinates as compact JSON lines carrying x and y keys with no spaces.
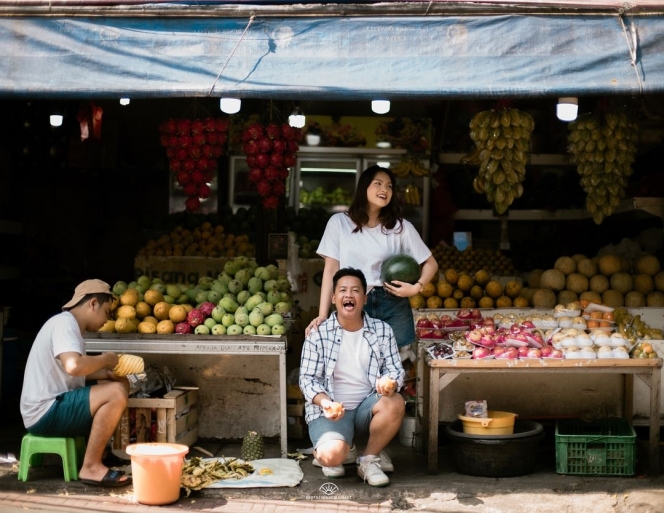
{"x":390,"y":214}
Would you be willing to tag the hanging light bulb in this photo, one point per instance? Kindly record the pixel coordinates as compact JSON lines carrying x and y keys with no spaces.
{"x":380,"y":106}
{"x":230,"y":105}
{"x":56,"y":119}
{"x":124,"y":101}
{"x":567,"y":108}
{"x":297,"y":118}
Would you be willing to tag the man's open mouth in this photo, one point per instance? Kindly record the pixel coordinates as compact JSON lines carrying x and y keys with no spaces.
{"x":348,"y":304}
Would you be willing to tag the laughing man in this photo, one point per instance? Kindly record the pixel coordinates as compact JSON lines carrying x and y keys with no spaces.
{"x":350,"y":373}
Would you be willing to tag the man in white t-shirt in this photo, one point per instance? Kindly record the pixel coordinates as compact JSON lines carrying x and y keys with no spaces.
{"x":350,"y":373}
{"x":56,"y":401}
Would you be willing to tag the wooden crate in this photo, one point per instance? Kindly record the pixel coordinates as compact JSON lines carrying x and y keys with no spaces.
{"x":175,"y":415}
{"x":297,"y":427}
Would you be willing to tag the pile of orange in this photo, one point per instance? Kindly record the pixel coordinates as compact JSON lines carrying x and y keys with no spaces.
{"x":455,"y":289}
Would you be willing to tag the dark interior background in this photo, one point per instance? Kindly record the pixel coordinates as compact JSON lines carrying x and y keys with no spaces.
{"x":87,"y":207}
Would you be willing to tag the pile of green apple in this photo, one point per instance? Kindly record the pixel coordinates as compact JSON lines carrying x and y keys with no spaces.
{"x":244,"y":299}
{"x":253,"y":300}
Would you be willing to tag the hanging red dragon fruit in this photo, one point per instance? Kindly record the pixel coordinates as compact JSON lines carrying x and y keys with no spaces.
{"x":270,"y":152}
{"x":193,"y":148}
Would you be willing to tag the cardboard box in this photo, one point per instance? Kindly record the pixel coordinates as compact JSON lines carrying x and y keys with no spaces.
{"x":175,"y":417}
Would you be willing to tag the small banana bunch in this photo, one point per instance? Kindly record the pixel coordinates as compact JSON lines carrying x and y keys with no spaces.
{"x":412,"y":195}
{"x":503,"y":140}
{"x":408,"y":166}
{"x":604,"y":148}
{"x":129,"y":364}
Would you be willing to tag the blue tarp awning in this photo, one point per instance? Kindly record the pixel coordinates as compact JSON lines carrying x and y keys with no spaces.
{"x":335,"y":58}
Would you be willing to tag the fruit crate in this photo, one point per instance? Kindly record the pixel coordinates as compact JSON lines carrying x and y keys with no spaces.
{"x":602,"y":448}
{"x":171,"y":419}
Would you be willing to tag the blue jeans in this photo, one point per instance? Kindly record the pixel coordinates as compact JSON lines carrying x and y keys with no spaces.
{"x":395,"y":311}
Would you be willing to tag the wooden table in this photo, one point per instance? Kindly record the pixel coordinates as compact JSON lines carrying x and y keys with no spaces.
{"x":440,"y":373}
{"x":205,"y":346}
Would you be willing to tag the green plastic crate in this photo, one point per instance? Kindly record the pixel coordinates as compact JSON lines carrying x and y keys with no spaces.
{"x":602,"y":448}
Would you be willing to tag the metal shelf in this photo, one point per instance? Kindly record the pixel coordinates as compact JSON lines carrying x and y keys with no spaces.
{"x":534,"y":159}
{"x":653,"y":206}
{"x":354,"y":151}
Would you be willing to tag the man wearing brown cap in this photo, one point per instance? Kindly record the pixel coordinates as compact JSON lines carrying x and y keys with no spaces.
{"x":56,"y":400}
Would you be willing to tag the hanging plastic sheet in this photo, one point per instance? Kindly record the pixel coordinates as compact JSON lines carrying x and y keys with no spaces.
{"x":341,"y":58}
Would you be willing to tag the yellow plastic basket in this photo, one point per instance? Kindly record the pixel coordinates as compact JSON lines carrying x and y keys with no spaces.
{"x":498,"y":423}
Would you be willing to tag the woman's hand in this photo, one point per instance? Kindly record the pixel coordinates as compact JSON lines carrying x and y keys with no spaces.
{"x":313,"y":325}
{"x":401,"y":288}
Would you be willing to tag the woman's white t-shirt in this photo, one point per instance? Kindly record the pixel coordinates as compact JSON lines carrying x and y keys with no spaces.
{"x":366,"y":250}
{"x":45,"y":377}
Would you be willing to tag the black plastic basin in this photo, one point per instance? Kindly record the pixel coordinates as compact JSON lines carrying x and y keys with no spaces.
{"x":496,"y":455}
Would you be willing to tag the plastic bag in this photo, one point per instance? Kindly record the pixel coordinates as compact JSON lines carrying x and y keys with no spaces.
{"x":477,"y":409}
{"x":157,"y":382}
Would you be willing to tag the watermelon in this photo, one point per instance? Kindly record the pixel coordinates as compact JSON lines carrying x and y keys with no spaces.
{"x":400,"y":267}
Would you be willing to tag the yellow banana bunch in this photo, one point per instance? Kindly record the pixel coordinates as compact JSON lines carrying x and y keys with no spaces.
{"x":401,"y":169}
{"x":412,"y":195}
{"x":472,"y":158}
{"x":418,"y":169}
{"x":409,"y":166}
{"x":129,"y":364}
{"x":502,"y":139}
{"x":604,"y":148}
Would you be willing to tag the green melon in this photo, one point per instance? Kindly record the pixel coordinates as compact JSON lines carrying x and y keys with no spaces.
{"x":400,"y":267}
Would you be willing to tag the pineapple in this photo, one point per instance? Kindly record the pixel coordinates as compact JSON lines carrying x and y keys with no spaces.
{"x":252,"y":446}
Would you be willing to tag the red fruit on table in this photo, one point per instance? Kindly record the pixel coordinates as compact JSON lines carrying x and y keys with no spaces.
{"x":423,"y":323}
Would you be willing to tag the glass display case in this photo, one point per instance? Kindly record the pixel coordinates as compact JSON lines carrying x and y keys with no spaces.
{"x":327,"y":177}
{"x":241,"y":191}
{"x":326,"y":181}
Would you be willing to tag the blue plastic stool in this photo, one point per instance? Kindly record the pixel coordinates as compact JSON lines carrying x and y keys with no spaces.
{"x":33,"y":448}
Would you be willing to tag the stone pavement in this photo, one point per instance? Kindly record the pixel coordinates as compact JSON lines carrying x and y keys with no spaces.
{"x":412,"y":488}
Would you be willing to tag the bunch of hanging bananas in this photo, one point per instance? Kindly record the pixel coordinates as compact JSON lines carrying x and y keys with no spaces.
{"x":503,"y":140}
{"x":129,"y":364}
{"x":409,"y":165}
{"x":604,"y":147}
{"x":412,"y":195}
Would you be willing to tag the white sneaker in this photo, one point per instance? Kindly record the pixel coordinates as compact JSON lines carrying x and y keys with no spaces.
{"x":386,"y":462}
{"x":339,"y":470}
{"x":369,"y":470}
{"x":333,"y":472}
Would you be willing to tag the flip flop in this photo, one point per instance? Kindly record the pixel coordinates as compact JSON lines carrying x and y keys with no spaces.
{"x":112,"y":479}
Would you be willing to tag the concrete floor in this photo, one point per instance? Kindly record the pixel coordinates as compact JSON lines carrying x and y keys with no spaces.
{"x":411,"y":487}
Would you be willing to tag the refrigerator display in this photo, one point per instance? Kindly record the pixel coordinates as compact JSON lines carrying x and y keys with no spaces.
{"x":327,"y":178}
{"x":325,"y":181}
